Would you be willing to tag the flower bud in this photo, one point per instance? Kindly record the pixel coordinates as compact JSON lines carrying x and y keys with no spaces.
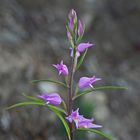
{"x":69,"y":35}
{"x":80,"y":29}
{"x":72,"y":19}
{"x":72,"y":15}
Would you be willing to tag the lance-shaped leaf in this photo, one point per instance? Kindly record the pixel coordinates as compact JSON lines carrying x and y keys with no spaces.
{"x":32,"y":98}
{"x":55,"y":109}
{"x":50,"y":81}
{"x":63,"y":121}
{"x":51,"y":107}
{"x":81,"y":59}
{"x":81,"y":93}
{"x":96,"y":131}
{"x":26,"y":103}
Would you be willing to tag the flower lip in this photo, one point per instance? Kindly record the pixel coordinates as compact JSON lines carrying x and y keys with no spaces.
{"x":51,"y":98}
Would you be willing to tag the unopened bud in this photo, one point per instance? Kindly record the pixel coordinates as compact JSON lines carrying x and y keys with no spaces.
{"x":69,"y":35}
{"x":80,"y":28}
{"x":73,"y":15}
{"x":72,"y":19}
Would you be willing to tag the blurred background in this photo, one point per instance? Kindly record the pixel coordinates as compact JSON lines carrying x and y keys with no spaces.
{"x":33,"y":37}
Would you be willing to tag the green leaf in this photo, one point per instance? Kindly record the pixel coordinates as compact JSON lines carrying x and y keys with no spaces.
{"x":81,"y":59}
{"x":55,"y":109}
{"x":81,"y":93}
{"x":51,"y":107}
{"x":63,"y":121}
{"x":51,"y":81}
{"x":32,"y":98}
{"x":96,"y":131}
{"x":26,"y":103}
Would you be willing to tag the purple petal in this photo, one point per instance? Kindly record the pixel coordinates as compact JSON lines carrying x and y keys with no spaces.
{"x":69,"y":118}
{"x":74,"y":116}
{"x":65,"y":70}
{"x":82,"y":46}
{"x":56,"y":66}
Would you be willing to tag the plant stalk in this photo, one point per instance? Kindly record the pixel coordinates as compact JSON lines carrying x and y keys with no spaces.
{"x":70,"y":96}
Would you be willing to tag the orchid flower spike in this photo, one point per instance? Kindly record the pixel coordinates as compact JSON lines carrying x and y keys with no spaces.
{"x":62,"y":68}
{"x":86,"y":82}
{"x":51,"y":98}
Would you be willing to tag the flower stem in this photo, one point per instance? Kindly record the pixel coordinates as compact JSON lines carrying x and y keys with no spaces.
{"x":71,"y":92}
{"x":70,"y":101}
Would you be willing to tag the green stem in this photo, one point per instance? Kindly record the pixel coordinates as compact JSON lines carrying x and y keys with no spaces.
{"x":70,"y":102}
{"x":71,"y":92}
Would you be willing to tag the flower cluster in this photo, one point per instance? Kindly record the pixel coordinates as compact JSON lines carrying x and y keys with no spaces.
{"x":80,"y":121}
{"x":75,"y":32}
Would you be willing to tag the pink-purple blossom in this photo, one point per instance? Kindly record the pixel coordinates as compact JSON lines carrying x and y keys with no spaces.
{"x":80,"y":121}
{"x":51,"y":98}
{"x":62,"y":68}
{"x":82,"y":46}
{"x":86,"y":82}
